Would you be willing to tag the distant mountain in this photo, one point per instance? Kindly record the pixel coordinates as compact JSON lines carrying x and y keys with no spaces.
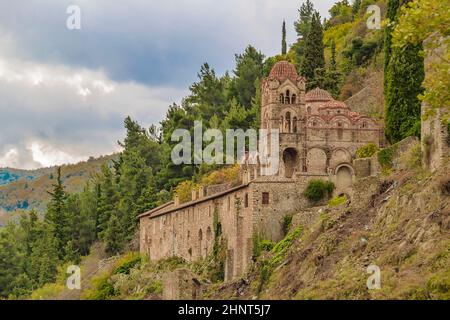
{"x":9,"y":175}
{"x":27,"y":189}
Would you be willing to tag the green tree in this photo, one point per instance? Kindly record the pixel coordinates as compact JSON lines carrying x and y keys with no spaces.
{"x":249,"y":68}
{"x":302,"y":26}
{"x":113,"y":236}
{"x":283,"y":39}
{"x":411,"y":30}
{"x":305,"y":13}
{"x":404,"y":74}
{"x":107,"y":201}
{"x":314,"y":51}
{"x":56,"y":214}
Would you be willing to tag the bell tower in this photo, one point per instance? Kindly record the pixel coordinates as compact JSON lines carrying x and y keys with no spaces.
{"x":283,"y":108}
{"x":283,"y":98}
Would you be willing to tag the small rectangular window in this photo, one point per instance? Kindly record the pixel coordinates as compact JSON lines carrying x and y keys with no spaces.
{"x":246,"y":200}
{"x":265,"y":198}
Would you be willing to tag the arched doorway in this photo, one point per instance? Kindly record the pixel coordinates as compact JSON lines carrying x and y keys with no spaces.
{"x":290,"y":161}
{"x":343,"y":177}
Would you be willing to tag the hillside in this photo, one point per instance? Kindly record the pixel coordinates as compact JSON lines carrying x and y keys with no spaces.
{"x":398,"y":221}
{"x":27,"y":189}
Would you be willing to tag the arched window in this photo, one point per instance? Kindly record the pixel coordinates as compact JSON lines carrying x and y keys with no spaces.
{"x":294,"y":122}
{"x":288,"y":122}
{"x":281,"y":98}
{"x":340,"y":131}
{"x":287,"y":99}
{"x":314,"y":123}
{"x":308,"y":110}
{"x":294,"y":99}
{"x":364,"y":125}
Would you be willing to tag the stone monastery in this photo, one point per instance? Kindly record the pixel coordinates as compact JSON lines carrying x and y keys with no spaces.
{"x":318,"y":139}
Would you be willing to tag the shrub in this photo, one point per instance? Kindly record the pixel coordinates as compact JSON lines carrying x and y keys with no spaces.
{"x":127,"y":263}
{"x":260,"y":244}
{"x":367,"y":151}
{"x":337,"y":201}
{"x":318,"y":190}
{"x":412,"y":158}
{"x":286,"y":223}
{"x":103,"y":288}
{"x":386,"y":156}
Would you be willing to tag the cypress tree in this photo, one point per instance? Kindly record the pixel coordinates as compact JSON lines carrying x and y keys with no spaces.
{"x":283,"y":39}
{"x":314,"y":51}
{"x":404,"y":74}
{"x":56,"y":215}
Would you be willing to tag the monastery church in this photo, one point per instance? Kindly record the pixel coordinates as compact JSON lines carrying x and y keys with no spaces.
{"x":318,"y":139}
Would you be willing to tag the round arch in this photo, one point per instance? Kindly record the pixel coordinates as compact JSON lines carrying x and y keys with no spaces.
{"x":290,"y":161}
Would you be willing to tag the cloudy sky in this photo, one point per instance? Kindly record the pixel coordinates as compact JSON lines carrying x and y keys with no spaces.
{"x":64,"y":93}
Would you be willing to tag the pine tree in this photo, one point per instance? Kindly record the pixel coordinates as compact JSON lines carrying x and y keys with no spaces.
{"x":314,"y":51}
{"x":305,"y":13}
{"x":283,"y":39}
{"x":249,"y":66}
{"x":302,"y":26}
{"x":113,"y":236}
{"x":107,"y":201}
{"x":404,"y":74}
{"x":56,"y":215}
{"x":333,"y":76}
{"x":356,"y":6}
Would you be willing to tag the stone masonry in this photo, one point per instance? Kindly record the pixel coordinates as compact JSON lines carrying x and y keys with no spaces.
{"x":319,"y":137}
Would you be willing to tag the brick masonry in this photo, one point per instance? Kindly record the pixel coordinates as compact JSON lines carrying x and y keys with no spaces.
{"x":319,"y":137}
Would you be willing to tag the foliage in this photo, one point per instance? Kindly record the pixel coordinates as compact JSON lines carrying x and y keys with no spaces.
{"x":286,"y":223}
{"x":367,"y":151}
{"x":411,"y":30}
{"x":103,"y":288}
{"x":127,"y":262}
{"x":386,"y":156}
{"x":412,"y":158}
{"x":184,"y":190}
{"x":404,"y":74}
{"x":337,"y":201}
{"x":313,"y":58}
{"x":283,"y":39}
{"x":277,"y":255}
{"x":317,"y":190}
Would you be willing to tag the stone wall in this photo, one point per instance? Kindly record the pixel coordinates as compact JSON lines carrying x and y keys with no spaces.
{"x":187,"y":231}
{"x":181,"y":284}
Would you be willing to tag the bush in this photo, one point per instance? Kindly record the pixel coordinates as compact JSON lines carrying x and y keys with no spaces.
{"x":337,"y":201}
{"x":385,"y":157}
{"x":318,"y":190}
{"x":103,"y":288}
{"x":127,"y":263}
{"x":286,"y":224}
{"x":367,"y":151}
{"x":260,"y":244}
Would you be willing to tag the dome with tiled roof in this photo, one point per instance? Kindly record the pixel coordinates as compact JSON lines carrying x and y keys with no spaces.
{"x":318,"y":94}
{"x":283,"y":70}
{"x":336,"y":104}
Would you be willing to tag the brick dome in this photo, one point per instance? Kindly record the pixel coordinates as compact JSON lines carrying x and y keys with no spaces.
{"x":336,"y":104}
{"x":283,"y":70}
{"x":318,"y":94}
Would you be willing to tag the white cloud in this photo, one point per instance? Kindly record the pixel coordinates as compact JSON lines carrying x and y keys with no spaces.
{"x":55,"y":114}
